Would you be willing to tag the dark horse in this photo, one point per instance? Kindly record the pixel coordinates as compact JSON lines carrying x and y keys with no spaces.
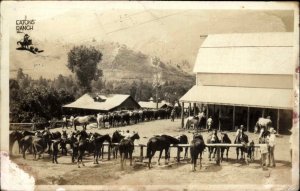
{"x":242,"y":138}
{"x":213,"y":138}
{"x":183,"y":140}
{"x":126,"y":148}
{"x":224,"y":139}
{"x":197,"y":147}
{"x":40,"y":143}
{"x":116,"y":138}
{"x":83,"y":145}
{"x":13,"y":137}
{"x":160,"y":143}
{"x":98,"y":140}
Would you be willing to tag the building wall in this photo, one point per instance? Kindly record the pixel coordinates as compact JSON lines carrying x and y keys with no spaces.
{"x":128,"y":104}
{"x":245,"y":80}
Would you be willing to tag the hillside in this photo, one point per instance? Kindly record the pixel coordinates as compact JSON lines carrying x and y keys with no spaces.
{"x":118,"y":63}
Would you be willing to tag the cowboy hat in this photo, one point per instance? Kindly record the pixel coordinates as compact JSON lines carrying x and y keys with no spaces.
{"x":272,"y":130}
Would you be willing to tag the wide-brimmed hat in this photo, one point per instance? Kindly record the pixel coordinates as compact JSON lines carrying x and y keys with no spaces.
{"x":272,"y":130}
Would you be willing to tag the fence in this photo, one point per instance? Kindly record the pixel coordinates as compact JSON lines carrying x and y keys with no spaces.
{"x":178,"y":146}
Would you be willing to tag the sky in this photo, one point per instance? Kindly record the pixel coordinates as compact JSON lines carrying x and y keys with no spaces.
{"x":170,"y":31}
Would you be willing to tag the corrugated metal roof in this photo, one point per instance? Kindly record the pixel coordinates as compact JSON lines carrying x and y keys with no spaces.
{"x":254,"y":53}
{"x":87,"y":102}
{"x":241,"y":96}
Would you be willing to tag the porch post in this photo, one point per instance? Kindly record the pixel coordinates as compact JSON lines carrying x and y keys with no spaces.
{"x":278,"y":117}
{"x":233,"y":117}
{"x":182,"y":114}
{"x":194,"y":105}
{"x":248,"y":113}
{"x":219,"y":119}
{"x":190,"y":106}
{"x":263,"y":113}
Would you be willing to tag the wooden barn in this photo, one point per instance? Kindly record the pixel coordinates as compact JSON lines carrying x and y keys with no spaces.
{"x":95,"y":103}
{"x":153,"y":105}
{"x":241,"y":77}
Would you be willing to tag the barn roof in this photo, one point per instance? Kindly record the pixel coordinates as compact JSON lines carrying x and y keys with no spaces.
{"x":105,"y":103}
{"x":241,"y":96}
{"x":151,"y":105}
{"x":247,"y":53}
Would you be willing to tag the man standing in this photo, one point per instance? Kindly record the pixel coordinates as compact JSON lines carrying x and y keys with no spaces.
{"x":271,"y":147}
{"x":209,"y":123}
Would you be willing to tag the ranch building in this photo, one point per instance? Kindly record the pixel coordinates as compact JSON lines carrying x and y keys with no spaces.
{"x":241,"y":77}
{"x":153,"y":105}
{"x":95,"y":103}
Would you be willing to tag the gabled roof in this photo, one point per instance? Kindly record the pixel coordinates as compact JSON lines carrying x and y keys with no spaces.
{"x":247,"y":53}
{"x":151,"y":105}
{"x":107,"y":102}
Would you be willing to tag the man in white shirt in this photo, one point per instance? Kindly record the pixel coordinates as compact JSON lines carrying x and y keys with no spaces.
{"x":271,"y":147}
{"x":209,"y":123}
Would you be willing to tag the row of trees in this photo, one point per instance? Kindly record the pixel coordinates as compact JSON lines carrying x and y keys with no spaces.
{"x":34,"y":100}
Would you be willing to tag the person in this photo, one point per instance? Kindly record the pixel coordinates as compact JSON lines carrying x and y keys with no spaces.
{"x":271,"y":147}
{"x":209,"y":123}
{"x":173,"y":114}
{"x":240,"y":130}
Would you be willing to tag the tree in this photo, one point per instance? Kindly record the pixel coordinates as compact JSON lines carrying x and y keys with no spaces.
{"x":83,"y":62}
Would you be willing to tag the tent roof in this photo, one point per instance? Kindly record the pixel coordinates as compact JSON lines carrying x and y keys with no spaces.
{"x":248,"y":53}
{"x":241,"y":96}
{"x":108,"y":102}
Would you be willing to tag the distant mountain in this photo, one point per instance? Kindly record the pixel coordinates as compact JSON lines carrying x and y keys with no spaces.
{"x":118,"y":63}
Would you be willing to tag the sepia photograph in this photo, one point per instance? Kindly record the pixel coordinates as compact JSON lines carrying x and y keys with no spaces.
{"x":149,"y":95}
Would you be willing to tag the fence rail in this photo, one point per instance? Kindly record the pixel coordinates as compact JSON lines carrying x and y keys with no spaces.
{"x":178,"y":146}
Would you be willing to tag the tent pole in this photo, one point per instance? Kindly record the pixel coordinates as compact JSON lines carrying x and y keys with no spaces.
{"x":248,"y":111}
{"x":278,"y":117}
{"x":182,"y":114}
{"x":233,"y":118}
{"x":219,"y":119}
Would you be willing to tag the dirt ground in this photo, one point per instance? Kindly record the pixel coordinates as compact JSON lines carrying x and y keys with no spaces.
{"x":110,"y":173}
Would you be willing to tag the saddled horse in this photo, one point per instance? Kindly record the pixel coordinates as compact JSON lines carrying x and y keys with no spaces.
{"x":262,"y":123}
{"x":196,"y":121}
{"x":83,"y":145}
{"x":98,"y":140}
{"x":116,"y":138}
{"x":183,"y":139}
{"x":197,"y":147}
{"x":212,"y":139}
{"x":83,"y":120}
{"x":160,"y":143}
{"x":13,"y":137}
{"x":242,"y":138}
{"x":40,"y":143}
{"x":225,"y":139}
{"x":126,"y":148}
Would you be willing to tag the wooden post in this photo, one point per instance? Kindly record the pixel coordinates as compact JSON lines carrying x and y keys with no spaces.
{"x":233,"y":118}
{"x":263,"y":113}
{"x":178,"y":154}
{"x":182,"y":115}
{"x":190,"y":107}
{"x":278,"y":118}
{"x":218,"y":156}
{"x":207,"y":116}
{"x":248,"y":113}
{"x":194,"y":105}
{"x":141,"y":153}
{"x":108,"y":158}
{"x":219,"y":119}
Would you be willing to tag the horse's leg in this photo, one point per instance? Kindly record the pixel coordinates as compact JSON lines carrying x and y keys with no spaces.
{"x":160,"y":152}
{"x":166,"y":155}
{"x":200,"y":160}
{"x":186,"y":152}
{"x":121,"y":160}
{"x":227,"y":153}
{"x":222,"y":153}
{"x":237,"y":153}
{"x":209,"y":153}
{"x":130,"y":154}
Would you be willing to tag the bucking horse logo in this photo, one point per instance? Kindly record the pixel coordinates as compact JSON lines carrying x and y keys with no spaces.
{"x":26,"y":44}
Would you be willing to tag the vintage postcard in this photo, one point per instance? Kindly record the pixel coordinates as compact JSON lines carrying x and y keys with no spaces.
{"x":149,"y":95}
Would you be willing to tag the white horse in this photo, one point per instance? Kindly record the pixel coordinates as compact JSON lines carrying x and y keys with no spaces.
{"x":67,"y":121}
{"x":194,"y":120}
{"x":262,"y":123}
{"x":82,"y":120}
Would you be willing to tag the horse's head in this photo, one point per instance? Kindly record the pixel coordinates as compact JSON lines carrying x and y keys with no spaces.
{"x":197,"y":136}
{"x":135,"y":136}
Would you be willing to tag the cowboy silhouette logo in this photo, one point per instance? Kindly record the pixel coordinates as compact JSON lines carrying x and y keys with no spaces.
{"x":26,"y":44}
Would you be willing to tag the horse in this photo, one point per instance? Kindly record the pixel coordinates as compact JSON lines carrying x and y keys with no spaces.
{"x":196,"y":121}
{"x":264,"y":123}
{"x":213,"y":138}
{"x":14,"y":136}
{"x":225,"y":139}
{"x":242,"y":138}
{"x":66,"y":121}
{"x":55,"y":149}
{"x":116,"y":138}
{"x":74,"y":145}
{"x":40,"y":143}
{"x":126,"y":148}
{"x":26,"y":143}
{"x":84,"y":120}
{"x":197,"y":147}
{"x":83,"y":145}
{"x":25,"y":44}
{"x":98,"y":140}
{"x":159,"y":143}
{"x":101,"y":118}
{"x":183,"y":140}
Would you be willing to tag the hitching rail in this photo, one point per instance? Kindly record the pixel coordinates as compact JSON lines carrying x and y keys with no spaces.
{"x":218,"y":146}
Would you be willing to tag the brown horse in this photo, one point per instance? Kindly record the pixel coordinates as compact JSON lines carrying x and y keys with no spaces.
{"x":98,"y":140}
{"x":225,"y":139}
{"x":213,"y":138}
{"x":197,"y":147}
{"x":126,"y":149}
